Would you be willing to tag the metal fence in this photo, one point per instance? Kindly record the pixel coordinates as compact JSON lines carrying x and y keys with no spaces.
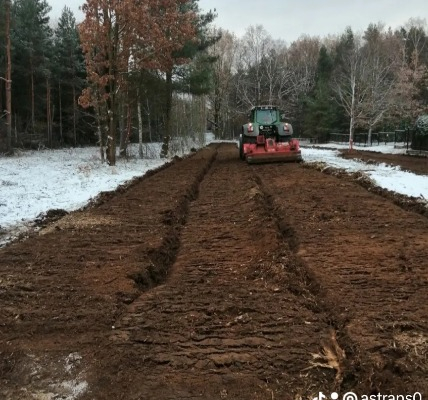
{"x":377,"y":138}
{"x":407,"y":138}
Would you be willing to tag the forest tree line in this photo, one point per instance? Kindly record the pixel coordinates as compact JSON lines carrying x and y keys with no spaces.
{"x":143,"y":71}
{"x":374,"y":80}
{"x":116,"y":73}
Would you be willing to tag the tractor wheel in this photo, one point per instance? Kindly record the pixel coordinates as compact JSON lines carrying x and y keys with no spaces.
{"x":241,"y":148}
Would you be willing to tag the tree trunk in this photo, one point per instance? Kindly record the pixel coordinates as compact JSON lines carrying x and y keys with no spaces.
{"x":217,"y":116}
{"x":113,"y":45}
{"x":48,"y":112}
{"x":100,"y":130}
{"x":60,"y":114}
{"x":140,"y":126}
{"x":149,"y":125}
{"x":122,"y":130}
{"x":8,"y":81}
{"x":2,"y":90}
{"x":128,"y":128}
{"x":33,"y":118}
{"x":125,"y":133}
{"x":352,"y":115}
{"x":125,"y":125}
{"x":100,"y":136}
{"x":111,"y":140}
{"x":74,"y":115}
{"x":168,"y":113}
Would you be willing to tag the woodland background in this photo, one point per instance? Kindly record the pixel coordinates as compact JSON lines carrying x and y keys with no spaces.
{"x":159,"y":70}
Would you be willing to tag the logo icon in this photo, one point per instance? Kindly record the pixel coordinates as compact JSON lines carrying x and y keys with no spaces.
{"x":350,"y":396}
{"x":322,"y":396}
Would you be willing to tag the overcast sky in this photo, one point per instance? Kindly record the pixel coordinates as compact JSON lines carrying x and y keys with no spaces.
{"x":290,"y":19}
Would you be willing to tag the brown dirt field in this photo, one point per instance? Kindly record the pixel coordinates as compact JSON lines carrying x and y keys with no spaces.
{"x":214,"y":279}
{"x":412,"y":163}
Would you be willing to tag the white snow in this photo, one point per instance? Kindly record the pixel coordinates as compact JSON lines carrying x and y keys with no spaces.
{"x":47,"y":378}
{"x":33,"y":182}
{"x":387,"y":177}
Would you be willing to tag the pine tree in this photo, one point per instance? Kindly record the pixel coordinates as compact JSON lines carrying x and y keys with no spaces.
{"x":3,"y":7}
{"x":5,"y":78}
{"x":8,"y":80}
{"x":196,"y":77}
{"x":31,"y":41}
{"x":320,"y":108}
{"x":69,"y":72}
{"x":181,"y":73}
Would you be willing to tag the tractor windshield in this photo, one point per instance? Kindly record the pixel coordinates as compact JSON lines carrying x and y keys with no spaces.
{"x":266,"y":117}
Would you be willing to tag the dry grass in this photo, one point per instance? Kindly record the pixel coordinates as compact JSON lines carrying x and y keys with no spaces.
{"x":77,"y":221}
{"x":332,"y":356}
{"x":415,"y":344}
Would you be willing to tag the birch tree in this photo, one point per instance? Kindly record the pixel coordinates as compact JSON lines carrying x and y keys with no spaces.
{"x":411,"y":86}
{"x":225,"y":51}
{"x":348,"y":83}
{"x":382,"y":56}
{"x":254,"y":47}
{"x":302,"y":61}
{"x":284,"y":88}
{"x":415,"y":38}
{"x":273,"y":66}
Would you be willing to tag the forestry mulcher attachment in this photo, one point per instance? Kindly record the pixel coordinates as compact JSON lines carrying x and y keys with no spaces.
{"x":266,"y":139}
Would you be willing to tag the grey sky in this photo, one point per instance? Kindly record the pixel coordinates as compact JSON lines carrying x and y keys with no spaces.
{"x":289,"y":19}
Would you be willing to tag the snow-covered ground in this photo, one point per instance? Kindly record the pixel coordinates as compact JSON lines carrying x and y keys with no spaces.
{"x":33,"y":182}
{"x":391,"y":178}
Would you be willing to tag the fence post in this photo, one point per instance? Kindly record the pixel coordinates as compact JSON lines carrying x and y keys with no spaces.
{"x":407,"y":138}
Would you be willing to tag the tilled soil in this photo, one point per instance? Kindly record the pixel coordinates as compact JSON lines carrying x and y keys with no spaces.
{"x":214,"y":279}
{"x":417,"y":164}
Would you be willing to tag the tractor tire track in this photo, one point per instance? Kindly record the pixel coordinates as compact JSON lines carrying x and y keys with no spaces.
{"x":371,"y":272}
{"x":63,"y":289}
{"x":231,"y":320}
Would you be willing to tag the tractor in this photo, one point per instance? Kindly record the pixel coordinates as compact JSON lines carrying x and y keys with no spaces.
{"x":266,"y":138}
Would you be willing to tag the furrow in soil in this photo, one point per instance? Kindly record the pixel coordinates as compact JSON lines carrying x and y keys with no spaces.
{"x":231,"y":313}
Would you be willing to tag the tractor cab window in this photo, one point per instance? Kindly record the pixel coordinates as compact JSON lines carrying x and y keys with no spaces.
{"x":266,"y":117}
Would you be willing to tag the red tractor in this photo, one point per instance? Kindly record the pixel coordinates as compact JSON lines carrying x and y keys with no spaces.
{"x":267,"y":139}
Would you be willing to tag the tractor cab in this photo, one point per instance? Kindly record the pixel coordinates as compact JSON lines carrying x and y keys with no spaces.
{"x":264,"y":116}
